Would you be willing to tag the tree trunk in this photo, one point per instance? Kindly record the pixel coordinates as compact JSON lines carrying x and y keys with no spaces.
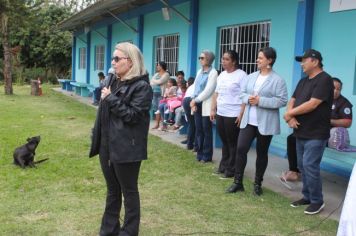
{"x":7,"y":55}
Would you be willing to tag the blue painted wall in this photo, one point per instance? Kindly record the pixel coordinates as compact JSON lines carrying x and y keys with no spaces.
{"x":334,"y":35}
{"x":80,"y":74}
{"x":97,"y":39}
{"x":282,"y":15}
{"x":155,"y":25}
{"x":120,"y":32}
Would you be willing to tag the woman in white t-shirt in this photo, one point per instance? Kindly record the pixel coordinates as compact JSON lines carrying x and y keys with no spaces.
{"x":227,"y":108}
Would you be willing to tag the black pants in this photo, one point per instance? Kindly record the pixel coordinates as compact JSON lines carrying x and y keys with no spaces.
{"x":228,"y":132}
{"x":292,"y":153}
{"x":191,"y":138}
{"x":121,"y":180}
{"x":246,"y":136}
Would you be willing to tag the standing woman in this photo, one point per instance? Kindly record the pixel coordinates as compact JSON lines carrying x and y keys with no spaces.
{"x":227,"y":108}
{"x":264,"y":93}
{"x":159,"y":83}
{"x":204,"y":87}
{"x":120,"y":132}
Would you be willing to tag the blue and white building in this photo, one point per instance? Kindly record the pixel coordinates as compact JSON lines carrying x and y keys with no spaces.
{"x":177,"y":30}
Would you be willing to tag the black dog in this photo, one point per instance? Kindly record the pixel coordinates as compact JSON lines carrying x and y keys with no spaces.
{"x":25,"y":154}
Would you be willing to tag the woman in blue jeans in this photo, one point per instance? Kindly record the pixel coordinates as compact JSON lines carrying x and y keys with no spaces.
{"x":204,"y":87}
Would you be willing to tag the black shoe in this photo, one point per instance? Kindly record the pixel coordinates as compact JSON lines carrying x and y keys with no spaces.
{"x":314,"y":208}
{"x":235,"y":187}
{"x":184,"y":141}
{"x":257,"y":190}
{"x":205,"y":161}
{"x":226,"y":176}
{"x":300,"y":202}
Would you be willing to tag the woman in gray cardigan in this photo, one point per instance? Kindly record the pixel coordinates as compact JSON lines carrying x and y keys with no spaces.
{"x":264,"y":94}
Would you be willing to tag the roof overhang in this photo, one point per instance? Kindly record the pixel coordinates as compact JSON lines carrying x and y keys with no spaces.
{"x":99,"y":11}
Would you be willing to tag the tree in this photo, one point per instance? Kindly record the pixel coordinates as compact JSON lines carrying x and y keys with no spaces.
{"x":12,"y":13}
{"x":5,"y":42}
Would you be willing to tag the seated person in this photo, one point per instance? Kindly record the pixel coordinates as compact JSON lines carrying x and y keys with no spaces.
{"x":169,"y":93}
{"x":175,"y":103}
{"x":97,"y":90}
{"x":180,"y":80}
{"x":341,"y":116}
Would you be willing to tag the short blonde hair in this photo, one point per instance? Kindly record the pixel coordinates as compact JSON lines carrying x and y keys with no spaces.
{"x":135,"y":55}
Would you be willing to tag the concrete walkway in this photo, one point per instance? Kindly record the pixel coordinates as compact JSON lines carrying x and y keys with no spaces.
{"x":334,"y":187}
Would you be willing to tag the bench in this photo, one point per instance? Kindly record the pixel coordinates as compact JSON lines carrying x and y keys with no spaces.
{"x":333,"y":161}
{"x":81,"y":89}
{"x":65,"y":83}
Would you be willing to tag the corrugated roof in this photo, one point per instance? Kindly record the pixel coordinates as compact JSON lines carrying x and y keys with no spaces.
{"x":98,"y":11}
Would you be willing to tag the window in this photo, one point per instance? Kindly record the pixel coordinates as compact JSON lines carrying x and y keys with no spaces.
{"x":82,"y":58}
{"x":99,"y":57}
{"x":246,"y":39}
{"x":126,"y":41}
{"x":166,"y":49}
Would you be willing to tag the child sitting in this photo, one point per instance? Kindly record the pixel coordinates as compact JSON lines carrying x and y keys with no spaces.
{"x":170,"y":93}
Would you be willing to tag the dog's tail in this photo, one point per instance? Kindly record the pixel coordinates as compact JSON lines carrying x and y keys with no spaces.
{"x":39,"y":161}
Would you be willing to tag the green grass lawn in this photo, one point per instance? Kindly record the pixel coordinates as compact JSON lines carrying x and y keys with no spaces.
{"x":65,"y":195}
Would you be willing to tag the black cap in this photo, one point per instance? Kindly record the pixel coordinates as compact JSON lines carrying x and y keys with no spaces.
{"x":310,"y":53}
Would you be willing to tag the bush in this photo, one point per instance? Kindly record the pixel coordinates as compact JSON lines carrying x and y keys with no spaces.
{"x":25,"y":75}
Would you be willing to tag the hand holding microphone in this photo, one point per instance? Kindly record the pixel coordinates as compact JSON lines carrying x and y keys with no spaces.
{"x":105,"y":92}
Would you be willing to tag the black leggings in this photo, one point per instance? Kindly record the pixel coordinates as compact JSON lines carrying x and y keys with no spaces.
{"x":121,"y":180}
{"x":292,"y":153}
{"x":246,"y":136}
{"x":228,"y":132}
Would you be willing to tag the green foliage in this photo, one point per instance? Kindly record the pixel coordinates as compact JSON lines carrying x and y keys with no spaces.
{"x":44,"y":45}
{"x":1,"y":70}
{"x":25,"y":75}
{"x":33,"y":26}
{"x":66,"y":194}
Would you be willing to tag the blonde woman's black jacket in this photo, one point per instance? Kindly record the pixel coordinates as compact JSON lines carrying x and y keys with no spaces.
{"x":123,"y":119}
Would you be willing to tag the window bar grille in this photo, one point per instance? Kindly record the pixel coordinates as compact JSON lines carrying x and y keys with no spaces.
{"x":246,"y":39}
{"x":167,"y":50}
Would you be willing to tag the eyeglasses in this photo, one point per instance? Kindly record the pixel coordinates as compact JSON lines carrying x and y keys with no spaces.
{"x":117,"y":59}
{"x":201,"y":58}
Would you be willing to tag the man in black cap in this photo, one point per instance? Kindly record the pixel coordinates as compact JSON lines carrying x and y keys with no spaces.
{"x":308,"y":113}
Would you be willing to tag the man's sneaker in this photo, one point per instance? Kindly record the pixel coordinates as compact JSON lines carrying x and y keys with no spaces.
{"x":314,"y":208}
{"x":300,"y":202}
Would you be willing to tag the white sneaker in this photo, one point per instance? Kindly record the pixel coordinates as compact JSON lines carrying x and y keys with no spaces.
{"x":157,"y":112}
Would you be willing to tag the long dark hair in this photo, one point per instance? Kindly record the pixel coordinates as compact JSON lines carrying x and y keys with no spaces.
{"x":234,"y":57}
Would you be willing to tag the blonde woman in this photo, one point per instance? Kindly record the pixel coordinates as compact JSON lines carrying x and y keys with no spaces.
{"x":120,"y":134}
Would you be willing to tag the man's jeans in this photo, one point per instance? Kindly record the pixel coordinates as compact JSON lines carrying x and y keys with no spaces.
{"x":309,"y":153}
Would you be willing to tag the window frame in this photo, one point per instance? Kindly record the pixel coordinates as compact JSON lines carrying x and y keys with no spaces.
{"x":243,"y":39}
{"x":99,"y":61}
{"x":82,"y":64}
{"x":166,"y":48}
